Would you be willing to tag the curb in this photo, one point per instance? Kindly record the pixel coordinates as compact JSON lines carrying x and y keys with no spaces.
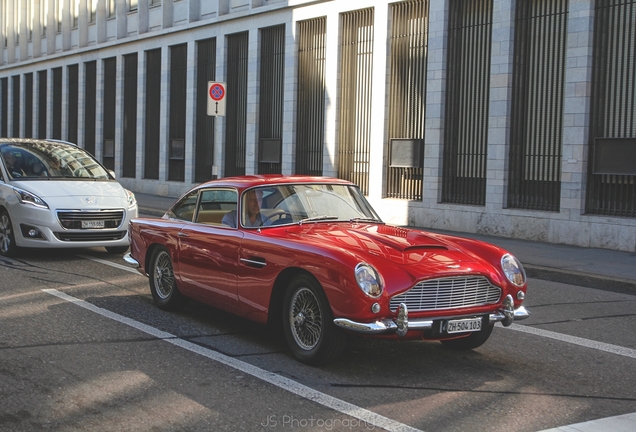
{"x":587,"y":280}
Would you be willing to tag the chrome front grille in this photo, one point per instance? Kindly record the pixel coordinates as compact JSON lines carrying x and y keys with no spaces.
{"x":448,"y":293}
{"x":70,"y":219}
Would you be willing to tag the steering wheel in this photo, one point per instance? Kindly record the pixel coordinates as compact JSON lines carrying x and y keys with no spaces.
{"x":279,"y":214}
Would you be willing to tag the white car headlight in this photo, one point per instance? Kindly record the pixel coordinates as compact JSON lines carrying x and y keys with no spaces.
{"x":28,"y":198}
{"x":368,"y":280}
{"x":513,"y":269}
{"x":131,"y":198}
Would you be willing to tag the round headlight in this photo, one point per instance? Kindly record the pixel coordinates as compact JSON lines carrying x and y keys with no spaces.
{"x":513,"y":269}
{"x":368,"y":280}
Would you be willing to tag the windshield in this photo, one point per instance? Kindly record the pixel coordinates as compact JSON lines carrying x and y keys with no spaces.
{"x":50,"y":160}
{"x":304,"y":203}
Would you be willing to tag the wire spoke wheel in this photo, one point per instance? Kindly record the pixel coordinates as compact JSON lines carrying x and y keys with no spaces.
{"x":308,"y":323}
{"x":163,"y":284}
{"x":163,"y":275}
{"x":306,"y":319}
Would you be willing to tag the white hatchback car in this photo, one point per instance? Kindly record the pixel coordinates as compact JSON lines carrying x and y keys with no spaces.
{"x":54,"y":194}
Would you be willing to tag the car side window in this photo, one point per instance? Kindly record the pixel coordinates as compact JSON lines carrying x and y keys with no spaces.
{"x":184,"y":209}
{"x":215,"y":205}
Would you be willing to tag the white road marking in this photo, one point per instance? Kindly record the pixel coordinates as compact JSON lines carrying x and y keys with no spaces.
{"x":587,"y":343}
{"x":112,"y":264}
{"x":369,"y":417}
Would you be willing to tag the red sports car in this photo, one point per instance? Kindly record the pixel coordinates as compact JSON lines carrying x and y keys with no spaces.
{"x":310,"y":253}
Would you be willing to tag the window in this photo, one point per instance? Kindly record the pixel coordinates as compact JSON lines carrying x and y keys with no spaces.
{"x":92,"y":11}
{"x":184,"y":209}
{"x":110,"y":12}
{"x":214,"y":205}
{"x":132,"y":5}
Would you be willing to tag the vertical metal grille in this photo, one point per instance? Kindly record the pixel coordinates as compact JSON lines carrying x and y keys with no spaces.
{"x":28,"y":105}
{"x":90,"y":105}
{"x":466,"y":126}
{"x":354,"y":143}
{"x":236,"y":107}
{"x":407,"y":89}
{"x":16,"y":105}
{"x":130,"y":116}
{"x":270,"y":124}
{"x":206,"y":71}
{"x":42,"y":101}
{"x":613,"y":108}
{"x":73,"y":109}
{"x":110,"y":80}
{"x":57,"y":103}
{"x":537,"y":105}
{"x":310,"y":120}
{"x":4,"y":83}
{"x":153,"y":114}
{"x":178,"y":86}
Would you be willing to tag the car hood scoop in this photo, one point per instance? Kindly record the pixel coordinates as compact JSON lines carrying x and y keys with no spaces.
{"x":400,"y":245}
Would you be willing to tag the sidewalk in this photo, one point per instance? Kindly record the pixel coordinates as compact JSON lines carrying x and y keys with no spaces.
{"x":594,"y":268}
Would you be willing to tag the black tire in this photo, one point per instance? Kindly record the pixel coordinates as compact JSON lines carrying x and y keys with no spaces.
{"x":8,"y":247}
{"x":116,"y":250}
{"x":474,"y":340}
{"x":308,"y":324}
{"x":162,"y":282}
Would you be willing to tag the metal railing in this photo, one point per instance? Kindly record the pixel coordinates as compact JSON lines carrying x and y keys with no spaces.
{"x":90,"y":105}
{"x":354,"y":139}
{"x":467,"y":100}
{"x":109,"y":123}
{"x":272,"y":74}
{"x":204,"y":146}
{"x":57,"y":104}
{"x":153,"y":114}
{"x":129,"y":162}
{"x":72,"y":120}
{"x":536,"y":135}
{"x":178,"y":91}
{"x":310,"y":120}
{"x":407,"y":98}
{"x":236,"y":105}
{"x":613,"y":107}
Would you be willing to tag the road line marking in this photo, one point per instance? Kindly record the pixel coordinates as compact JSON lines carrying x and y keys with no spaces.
{"x":110,"y":263}
{"x":369,"y":417}
{"x":588,"y":343}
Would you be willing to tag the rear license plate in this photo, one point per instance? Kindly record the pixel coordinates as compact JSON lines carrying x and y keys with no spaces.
{"x":463,"y":325}
{"x":93,"y":224}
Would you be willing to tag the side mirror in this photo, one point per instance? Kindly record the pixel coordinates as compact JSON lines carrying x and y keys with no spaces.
{"x":111,"y":172}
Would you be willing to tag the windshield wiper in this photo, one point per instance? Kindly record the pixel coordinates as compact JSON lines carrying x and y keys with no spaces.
{"x":365,"y":219}
{"x":317,"y":218}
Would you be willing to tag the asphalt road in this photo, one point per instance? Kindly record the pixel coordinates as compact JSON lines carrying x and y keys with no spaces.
{"x":82,"y":347}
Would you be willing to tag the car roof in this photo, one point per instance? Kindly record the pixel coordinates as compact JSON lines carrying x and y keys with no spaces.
{"x":249,"y":181}
{"x":14,"y":141}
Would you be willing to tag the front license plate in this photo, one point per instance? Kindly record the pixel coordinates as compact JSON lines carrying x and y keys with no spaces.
{"x":463,"y":325}
{"x":93,"y":224}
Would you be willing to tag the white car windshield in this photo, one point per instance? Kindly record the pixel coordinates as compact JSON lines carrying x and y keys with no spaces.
{"x":308,"y":203}
{"x":50,"y":160}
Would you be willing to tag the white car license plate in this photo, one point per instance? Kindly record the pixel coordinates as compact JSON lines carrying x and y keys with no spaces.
{"x":93,"y":224}
{"x":463,"y":325}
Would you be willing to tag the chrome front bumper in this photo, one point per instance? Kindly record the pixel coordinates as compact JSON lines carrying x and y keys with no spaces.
{"x":401,"y":325}
{"x":130,"y":260}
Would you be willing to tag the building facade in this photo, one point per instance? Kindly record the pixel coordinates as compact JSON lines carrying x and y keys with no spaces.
{"x":513,"y":118}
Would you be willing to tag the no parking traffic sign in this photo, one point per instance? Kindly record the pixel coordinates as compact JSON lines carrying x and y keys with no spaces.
{"x":216,"y":98}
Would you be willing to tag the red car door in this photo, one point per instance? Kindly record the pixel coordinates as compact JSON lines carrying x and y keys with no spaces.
{"x":208,"y":260}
